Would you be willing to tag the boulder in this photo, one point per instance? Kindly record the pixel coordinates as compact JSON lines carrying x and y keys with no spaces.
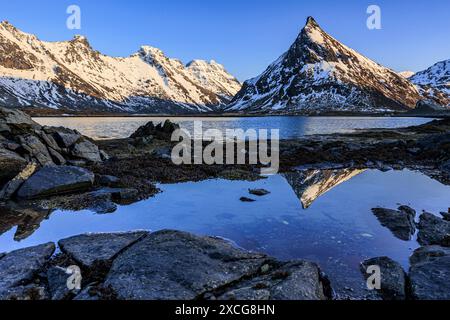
{"x":259,"y":192}
{"x":86,"y":150}
{"x":90,"y":250}
{"x":54,"y":180}
{"x":170,"y":265}
{"x":18,"y":268}
{"x":245,"y":199}
{"x":11,"y":165}
{"x":393,"y":277}
{"x":36,"y":149}
{"x":400,"y":222}
{"x":430,"y":273}
{"x":108,"y":181}
{"x":162,"y":131}
{"x":64,"y":137}
{"x":12,"y":186}
{"x":57,"y":282}
{"x":433,"y":230}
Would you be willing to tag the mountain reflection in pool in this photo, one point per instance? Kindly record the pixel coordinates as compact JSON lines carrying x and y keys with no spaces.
{"x":337,"y":230}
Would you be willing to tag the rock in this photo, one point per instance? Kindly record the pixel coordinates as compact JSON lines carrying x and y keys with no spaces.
{"x":63,"y":136}
{"x":53,"y":180}
{"x":160,"y":131}
{"x":430,"y":274}
{"x":32,"y":292}
{"x":11,"y":165}
{"x":393,"y":277}
{"x":57,"y":157}
{"x":87,"y":150}
{"x":36,"y":149}
{"x":400,"y":222}
{"x":12,"y":186}
{"x":446,"y":215}
{"x":170,"y":265}
{"x":21,"y":266}
{"x":432,"y":230}
{"x":163,"y":153}
{"x":108,"y":181}
{"x":245,"y":199}
{"x":57,"y":282}
{"x":259,"y":192}
{"x":90,"y":250}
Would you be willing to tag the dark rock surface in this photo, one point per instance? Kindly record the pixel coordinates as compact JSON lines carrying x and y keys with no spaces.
{"x":19,"y":267}
{"x":259,"y":192}
{"x":57,"y":283}
{"x":393,"y":277}
{"x":54,"y":180}
{"x":245,"y":199}
{"x":430,"y":273}
{"x":91,"y":249}
{"x":162,"y":131}
{"x":433,"y":230}
{"x":400,"y":222}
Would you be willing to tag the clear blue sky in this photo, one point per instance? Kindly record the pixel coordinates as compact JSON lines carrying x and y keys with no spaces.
{"x":245,"y":36}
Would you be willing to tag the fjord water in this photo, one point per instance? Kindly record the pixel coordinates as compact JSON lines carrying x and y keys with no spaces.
{"x":290,"y":127}
{"x":338,"y":230}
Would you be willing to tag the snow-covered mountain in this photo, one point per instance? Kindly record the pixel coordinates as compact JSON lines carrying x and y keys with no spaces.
{"x":407,"y":74}
{"x":72,"y":75}
{"x":317,"y":74}
{"x":434,"y":83}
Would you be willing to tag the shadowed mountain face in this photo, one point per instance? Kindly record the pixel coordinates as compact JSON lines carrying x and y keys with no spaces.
{"x":318,"y":73}
{"x":309,"y":185}
{"x":72,"y":75}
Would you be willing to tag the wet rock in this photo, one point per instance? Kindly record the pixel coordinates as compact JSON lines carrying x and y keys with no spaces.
{"x":162,"y":131}
{"x":171,"y":265}
{"x":57,"y":282}
{"x":53,"y":180}
{"x":12,"y":186}
{"x":11,"y":165}
{"x":259,"y":192}
{"x":20,"y":267}
{"x":400,"y":222}
{"x":245,"y":199}
{"x":87,"y":150}
{"x":108,"y":181}
{"x":393,"y":277}
{"x":430,"y":274}
{"x":91,"y":250}
{"x":433,"y":230}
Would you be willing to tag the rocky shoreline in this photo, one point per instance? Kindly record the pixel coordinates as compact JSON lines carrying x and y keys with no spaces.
{"x":45,"y":169}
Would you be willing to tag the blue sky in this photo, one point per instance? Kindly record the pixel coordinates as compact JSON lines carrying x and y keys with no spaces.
{"x":245,"y":36}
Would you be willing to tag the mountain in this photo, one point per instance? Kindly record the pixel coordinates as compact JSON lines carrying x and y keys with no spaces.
{"x":407,"y":74}
{"x":72,"y":75}
{"x":434,"y":83}
{"x":317,"y":74}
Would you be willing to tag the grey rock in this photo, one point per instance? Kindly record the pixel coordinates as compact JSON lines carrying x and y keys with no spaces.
{"x":57,"y":157}
{"x":37,"y":150}
{"x":53,"y":180}
{"x":430,"y":274}
{"x":393,"y":277}
{"x":11,"y":165}
{"x":15,"y":117}
{"x":433,"y":230}
{"x":108,"y":181}
{"x":19,"y":267}
{"x":446,"y":215}
{"x":163,"y":153}
{"x":400,"y":222}
{"x":161,"y":131}
{"x":90,"y":250}
{"x":170,"y":265}
{"x":12,"y":186}
{"x":259,"y":192}
{"x":245,"y":199}
{"x":64,"y":137}
{"x":87,"y":150}
{"x":57,"y":283}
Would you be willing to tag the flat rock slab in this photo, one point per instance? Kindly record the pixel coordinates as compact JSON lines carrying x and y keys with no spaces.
{"x":400,"y":222}
{"x":393,"y":277}
{"x":92,"y":249}
{"x":54,"y":180}
{"x":19,"y":267}
{"x":433,"y":230}
{"x":430,"y":273}
{"x":170,"y":265}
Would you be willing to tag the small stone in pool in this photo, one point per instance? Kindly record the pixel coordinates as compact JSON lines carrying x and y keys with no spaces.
{"x":245,"y":199}
{"x":259,"y":192}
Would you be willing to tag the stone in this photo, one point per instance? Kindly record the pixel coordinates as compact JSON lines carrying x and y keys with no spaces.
{"x":32,"y":292}
{"x":446,"y":215}
{"x":57,"y":282}
{"x":20,"y":267}
{"x":12,"y":186}
{"x":11,"y":165}
{"x":87,"y":150}
{"x":64,"y":137}
{"x":432,"y":230}
{"x":430,"y":274}
{"x":172,"y":265}
{"x":259,"y":192}
{"x":393,"y":277}
{"x":90,"y":250}
{"x":400,"y":222}
{"x":57,"y":157}
{"x":55,"y":180}
{"x":162,"y":131}
{"x":245,"y":199}
{"x":37,"y":150}
{"x":108,"y":181}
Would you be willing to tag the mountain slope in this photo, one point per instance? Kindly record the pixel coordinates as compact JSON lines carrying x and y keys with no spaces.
{"x":407,"y":74}
{"x":319,"y":74}
{"x":434,"y":83}
{"x":72,"y":75}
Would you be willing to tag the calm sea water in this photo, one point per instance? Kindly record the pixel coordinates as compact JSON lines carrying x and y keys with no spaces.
{"x":290,"y":127}
{"x":338,"y":230}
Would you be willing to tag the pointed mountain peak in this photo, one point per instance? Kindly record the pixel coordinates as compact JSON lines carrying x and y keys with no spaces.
{"x":151,"y":51}
{"x":311,"y":22}
{"x":313,"y":31}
